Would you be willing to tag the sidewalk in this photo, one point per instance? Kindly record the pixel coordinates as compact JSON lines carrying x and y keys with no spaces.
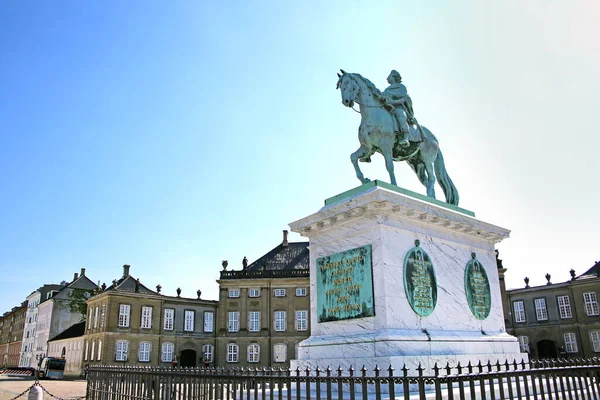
{"x":12,"y":386}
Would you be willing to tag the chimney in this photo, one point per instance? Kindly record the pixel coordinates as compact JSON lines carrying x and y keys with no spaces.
{"x":285,"y":241}
{"x":75,"y":276}
{"x":82,"y":272}
{"x":126,"y":270}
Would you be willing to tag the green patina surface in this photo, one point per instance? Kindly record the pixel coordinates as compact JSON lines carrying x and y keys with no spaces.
{"x":477,"y":289}
{"x":420,"y":283}
{"x":366,"y":186}
{"x":345,"y":285}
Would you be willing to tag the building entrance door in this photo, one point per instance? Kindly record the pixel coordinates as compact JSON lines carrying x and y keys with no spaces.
{"x":547,"y":349}
{"x":188,"y":358}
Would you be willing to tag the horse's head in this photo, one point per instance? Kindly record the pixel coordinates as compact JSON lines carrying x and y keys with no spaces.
{"x":349,"y":88}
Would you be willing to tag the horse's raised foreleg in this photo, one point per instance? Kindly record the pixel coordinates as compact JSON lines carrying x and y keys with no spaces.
{"x":362,"y":152}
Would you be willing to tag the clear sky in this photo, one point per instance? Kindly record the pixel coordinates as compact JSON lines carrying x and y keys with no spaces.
{"x":174,"y":135}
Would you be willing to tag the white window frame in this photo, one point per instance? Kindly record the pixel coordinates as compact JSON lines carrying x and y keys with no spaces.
{"x":233,"y":353}
{"x":167,"y":351}
{"x":99,"y":355}
{"x":85,"y":354}
{"x":541,"y":311}
{"x":144,"y":350}
{"x":564,"y":306}
{"x":124,"y":315}
{"x":280,"y":321}
{"x":301,"y":320}
{"x":519,"y":311}
{"x":189,"y":320}
{"x":233,"y":293}
{"x":208,"y":350}
{"x":595,"y":340}
{"x":253,"y":353}
{"x":591,"y":303}
{"x":233,"y":321}
{"x":301,"y":292}
{"x":570,"y":342}
{"x":102,"y":314}
{"x":209,"y":320}
{"x":146,"y":320}
{"x":121,"y":350}
{"x":280,"y":352}
{"x":279,"y":292}
{"x":253,"y":321}
{"x":524,"y":344}
{"x":169,"y":319}
{"x":254,"y":292}
{"x":96,"y":317}
{"x":93,"y":350}
{"x":89,"y":322}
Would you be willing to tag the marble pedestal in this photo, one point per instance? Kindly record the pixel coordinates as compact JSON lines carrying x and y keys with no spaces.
{"x":390,"y":219}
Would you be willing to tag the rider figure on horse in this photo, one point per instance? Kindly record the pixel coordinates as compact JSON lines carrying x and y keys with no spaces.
{"x":397,"y":97}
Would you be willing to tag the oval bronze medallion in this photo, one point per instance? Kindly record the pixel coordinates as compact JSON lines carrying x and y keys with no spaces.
{"x":420,"y":284}
{"x":477,"y":288}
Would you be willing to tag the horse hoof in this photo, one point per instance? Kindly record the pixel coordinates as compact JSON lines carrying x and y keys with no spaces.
{"x":366,"y":180}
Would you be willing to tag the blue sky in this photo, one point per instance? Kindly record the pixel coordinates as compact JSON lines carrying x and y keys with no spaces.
{"x":171,"y":136}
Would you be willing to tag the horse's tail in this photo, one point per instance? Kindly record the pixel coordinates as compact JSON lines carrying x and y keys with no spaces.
{"x":444,"y":180}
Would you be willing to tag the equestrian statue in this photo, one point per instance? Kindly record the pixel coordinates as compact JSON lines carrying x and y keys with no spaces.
{"x":388,"y":126}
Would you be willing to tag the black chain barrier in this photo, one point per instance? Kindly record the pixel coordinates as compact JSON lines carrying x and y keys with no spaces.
{"x":37,"y":383}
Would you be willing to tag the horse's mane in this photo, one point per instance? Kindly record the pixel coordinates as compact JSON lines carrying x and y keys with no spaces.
{"x":376,"y":92}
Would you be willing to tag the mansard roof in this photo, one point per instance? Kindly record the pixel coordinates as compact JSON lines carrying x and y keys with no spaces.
{"x":128,"y":284}
{"x":74,"y":331}
{"x":591,"y":273}
{"x":283,"y":257}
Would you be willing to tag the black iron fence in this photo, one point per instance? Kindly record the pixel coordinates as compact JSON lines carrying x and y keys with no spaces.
{"x":571,"y":379}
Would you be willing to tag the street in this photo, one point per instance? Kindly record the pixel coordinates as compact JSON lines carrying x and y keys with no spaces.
{"x":68,"y":389}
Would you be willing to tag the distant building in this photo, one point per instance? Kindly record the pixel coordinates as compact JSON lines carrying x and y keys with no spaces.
{"x":264,"y":308}
{"x":130,"y":324}
{"x":54,"y":315}
{"x":27,"y":358}
{"x":557,"y":319}
{"x":69,"y":346}
{"x":11,"y":336}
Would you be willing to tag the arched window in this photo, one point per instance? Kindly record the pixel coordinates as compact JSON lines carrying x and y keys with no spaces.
{"x":63,"y":353}
{"x":208,"y":353}
{"x":167,"y":352}
{"x":253,"y":353}
{"x":233,"y":351}
{"x":99,"y":357}
{"x":280,"y":352}
{"x":92,"y":353}
{"x":85,"y":353}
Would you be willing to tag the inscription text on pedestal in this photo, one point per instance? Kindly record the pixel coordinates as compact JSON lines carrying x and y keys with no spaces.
{"x":420,"y":284}
{"x":345,"y":285}
{"x":477,"y":288}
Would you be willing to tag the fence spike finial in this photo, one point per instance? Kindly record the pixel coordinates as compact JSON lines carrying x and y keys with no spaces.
{"x":391,"y":370}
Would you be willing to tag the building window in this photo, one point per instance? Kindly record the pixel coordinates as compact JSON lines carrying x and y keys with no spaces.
{"x":519,"y":311}
{"x":254,"y":321}
{"x":146,"y":318}
{"x":232,"y":352}
{"x":85,"y":354}
{"x":280,"y":352}
{"x":102,"y":315}
{"x":89,"y":322}
{"x":167,"y":352}
{"x":280,"y":321}
{"x":93,"y":351}
{"x":253,"y":353}
{"x":233,"y":321}
{"x":208,"y":353}
{"x":541,"y":312}
{"x":234,"y":292}
{"x":301,"y":291}
{"x":99,"y":357}
{"x":96,"y":317}
{"x":279,"y":292}
{"x":254,"y":292}
{"x":122,"y":346}
{"x":169,"y":317}
{"x":591,"y":303}
{"x":144,"y":352}
{"x":595,"y":338}
{"x":189,"y":321}
{"x":524,"y":344}
{"x":564,"y":306}
{"x":208,"y":321}
{"x":124,"y":311}
{"x":570,"y":342}
{"x":301,"y":320}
